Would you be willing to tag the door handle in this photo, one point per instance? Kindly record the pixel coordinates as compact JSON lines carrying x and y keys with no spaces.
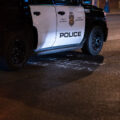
{"x":36,"y":13}
{"x":61,"y":13}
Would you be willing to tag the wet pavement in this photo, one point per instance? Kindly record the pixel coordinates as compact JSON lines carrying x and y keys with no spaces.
{"x":64,"y":86}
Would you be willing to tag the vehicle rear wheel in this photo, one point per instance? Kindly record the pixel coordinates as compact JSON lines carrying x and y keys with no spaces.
{"x":17,"y":50}
{"x":94,"y":42}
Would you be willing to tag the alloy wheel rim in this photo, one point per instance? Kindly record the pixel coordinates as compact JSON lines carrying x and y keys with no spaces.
{"x":97,"y":41}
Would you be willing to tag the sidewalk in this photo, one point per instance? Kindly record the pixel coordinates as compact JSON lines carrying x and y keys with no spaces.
{"x":113,"y":22}
{"x":114,"y":12}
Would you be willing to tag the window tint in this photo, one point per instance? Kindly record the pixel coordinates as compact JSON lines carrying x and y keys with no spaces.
{"x":87,"y":1}
{"x":67,"y":2}
{"x":42,"y":2}
{"x":9,"y":2}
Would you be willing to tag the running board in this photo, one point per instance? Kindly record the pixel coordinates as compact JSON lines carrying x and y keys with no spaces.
{"x":57,"y":50}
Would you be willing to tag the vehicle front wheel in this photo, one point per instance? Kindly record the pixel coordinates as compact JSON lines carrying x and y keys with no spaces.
{"x":94,"y":42}
{"x":17,"y":50}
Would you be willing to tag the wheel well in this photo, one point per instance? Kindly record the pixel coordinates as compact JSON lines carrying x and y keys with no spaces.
{"x":35,"y":40}
{"x":103,"y":25}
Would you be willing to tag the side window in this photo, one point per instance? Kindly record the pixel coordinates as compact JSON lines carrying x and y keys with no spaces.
{"x":9,"y":3}
{"x":63,"y":2}
{"x":42,"y":2}
{"x":67,"y":2}
{"x":87,"y":2}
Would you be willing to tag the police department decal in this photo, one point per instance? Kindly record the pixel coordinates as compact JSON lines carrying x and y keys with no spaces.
{"x":71,"y":19}
{"x":70,"y":34}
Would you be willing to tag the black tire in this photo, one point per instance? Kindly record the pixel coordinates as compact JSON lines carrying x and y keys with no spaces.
{"x":94,"y":42}
{"x":17,"y":50}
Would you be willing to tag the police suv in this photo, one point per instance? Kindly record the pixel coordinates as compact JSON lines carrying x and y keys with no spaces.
{"x":48,"y":26}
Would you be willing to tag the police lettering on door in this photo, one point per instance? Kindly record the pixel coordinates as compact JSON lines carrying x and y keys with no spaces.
{"x":70,"y":34}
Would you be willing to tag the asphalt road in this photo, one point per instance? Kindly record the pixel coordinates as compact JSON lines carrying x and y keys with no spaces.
{"x":66,"y":86}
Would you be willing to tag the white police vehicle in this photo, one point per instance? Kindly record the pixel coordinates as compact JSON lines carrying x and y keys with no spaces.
{"x":48,"y":26}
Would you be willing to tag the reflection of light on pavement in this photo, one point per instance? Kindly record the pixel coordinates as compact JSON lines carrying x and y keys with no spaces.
{"x":67,"y":64}
{"x":78,"y":65}
{"x":112,"y":96}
